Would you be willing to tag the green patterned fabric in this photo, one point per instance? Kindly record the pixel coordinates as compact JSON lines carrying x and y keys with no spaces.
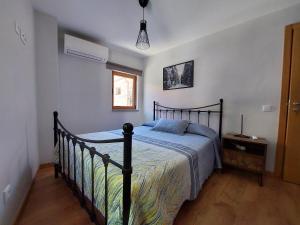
{"x":161,"y":180}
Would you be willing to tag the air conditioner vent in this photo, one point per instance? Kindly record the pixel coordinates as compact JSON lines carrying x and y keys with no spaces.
{"x":85,"y":49}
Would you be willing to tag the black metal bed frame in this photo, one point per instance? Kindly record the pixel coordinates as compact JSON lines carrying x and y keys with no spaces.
{"x":62,"y":136}
{"x":159,"y":111}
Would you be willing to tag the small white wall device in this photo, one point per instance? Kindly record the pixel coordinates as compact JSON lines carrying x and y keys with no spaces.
{"x":85,"y":49}
{"x":267,"y":108}
{"x":6,"y":193}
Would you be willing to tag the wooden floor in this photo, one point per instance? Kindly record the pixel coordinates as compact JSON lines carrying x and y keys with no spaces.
{"x":231,"y":198}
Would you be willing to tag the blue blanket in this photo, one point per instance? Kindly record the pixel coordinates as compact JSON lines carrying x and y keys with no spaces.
{"x":191,"y":145}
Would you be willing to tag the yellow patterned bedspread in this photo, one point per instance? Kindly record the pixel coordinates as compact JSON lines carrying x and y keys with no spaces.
{"x":161,"y":180}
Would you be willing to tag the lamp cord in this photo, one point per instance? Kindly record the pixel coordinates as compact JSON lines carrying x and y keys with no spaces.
{"x":143,"y":13}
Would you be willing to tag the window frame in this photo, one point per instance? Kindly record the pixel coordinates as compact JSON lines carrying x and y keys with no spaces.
{"x":127,"y":75}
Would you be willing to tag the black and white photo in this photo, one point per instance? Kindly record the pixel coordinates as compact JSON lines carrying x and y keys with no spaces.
{"x":178,"y":76}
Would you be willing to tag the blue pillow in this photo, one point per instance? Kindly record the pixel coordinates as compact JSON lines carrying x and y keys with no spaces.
{"x":171,"y":126}
{"x":150,"y":123}
{"x":200,"y":129}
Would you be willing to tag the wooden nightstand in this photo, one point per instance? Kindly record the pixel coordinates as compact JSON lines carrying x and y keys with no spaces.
{"x":245,"y":153}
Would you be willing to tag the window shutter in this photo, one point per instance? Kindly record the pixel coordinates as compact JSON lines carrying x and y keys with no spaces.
{"x":121,"y":68}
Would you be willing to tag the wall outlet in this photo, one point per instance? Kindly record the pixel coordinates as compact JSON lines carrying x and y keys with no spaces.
{"x":7,"y":193}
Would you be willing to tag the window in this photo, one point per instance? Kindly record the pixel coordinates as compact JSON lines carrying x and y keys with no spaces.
{"x":123,"y":90}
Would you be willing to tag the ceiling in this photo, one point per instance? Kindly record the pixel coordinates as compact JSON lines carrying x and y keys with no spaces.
{"x":170,"y":22}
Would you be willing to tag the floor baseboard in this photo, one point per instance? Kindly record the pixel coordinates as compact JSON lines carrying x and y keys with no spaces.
{"x":25,"y":200}
{"x":23,"y":203}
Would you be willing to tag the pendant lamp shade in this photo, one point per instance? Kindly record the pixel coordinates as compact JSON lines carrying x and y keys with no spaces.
{"x":143,"y":40}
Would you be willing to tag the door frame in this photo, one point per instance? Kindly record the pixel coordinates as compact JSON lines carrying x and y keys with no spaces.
{"x":285,"y":88}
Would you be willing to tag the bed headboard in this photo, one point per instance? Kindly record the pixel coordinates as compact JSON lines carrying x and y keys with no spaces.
{"x":160,"y":111}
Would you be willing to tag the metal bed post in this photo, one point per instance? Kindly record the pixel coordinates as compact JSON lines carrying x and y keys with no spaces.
{"x":63,"y":134}
{"x":55,"y":127}
{"x":93,"y":212}
{"x":82,"y":199}
{"x":221,"y":118}
{"x":127,"y":170}
{"x":60,"y":132}
{"x":154,"y":110}
{"x":68,"y":149}
{"x":74,"y":141}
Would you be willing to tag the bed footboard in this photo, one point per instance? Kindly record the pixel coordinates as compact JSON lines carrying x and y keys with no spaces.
{"x":63,"y":167}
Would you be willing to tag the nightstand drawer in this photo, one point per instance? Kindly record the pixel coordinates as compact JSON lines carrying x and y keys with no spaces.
{"x":243,"y":160}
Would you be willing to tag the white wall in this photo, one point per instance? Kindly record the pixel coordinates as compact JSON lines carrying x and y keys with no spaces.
{"x":78,"y":89}
{"x":86,"y":93}
{"x":241,"y":64}
{"x":18,"y":129}
{"x":47,"y":79}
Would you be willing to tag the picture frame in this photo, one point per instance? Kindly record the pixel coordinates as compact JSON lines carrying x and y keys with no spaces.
{"x":179,"y":76}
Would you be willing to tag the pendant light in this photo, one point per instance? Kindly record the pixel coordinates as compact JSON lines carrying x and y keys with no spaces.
{"x":143,"y":40}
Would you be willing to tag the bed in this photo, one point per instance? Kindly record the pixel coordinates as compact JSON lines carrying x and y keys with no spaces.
{"x":149,"y":180}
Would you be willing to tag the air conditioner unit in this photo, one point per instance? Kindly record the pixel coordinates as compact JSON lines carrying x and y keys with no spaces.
{"x":85,"y":49}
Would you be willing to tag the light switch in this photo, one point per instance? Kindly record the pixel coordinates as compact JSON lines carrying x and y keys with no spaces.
{"x":267,"y":108}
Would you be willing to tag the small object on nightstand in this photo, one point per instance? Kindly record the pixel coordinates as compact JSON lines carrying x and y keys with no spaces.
{"x":241,"y":135}
{"x":245,"y":153}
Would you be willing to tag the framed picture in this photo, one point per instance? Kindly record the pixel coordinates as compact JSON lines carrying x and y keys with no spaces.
{"x":179,"y":76}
